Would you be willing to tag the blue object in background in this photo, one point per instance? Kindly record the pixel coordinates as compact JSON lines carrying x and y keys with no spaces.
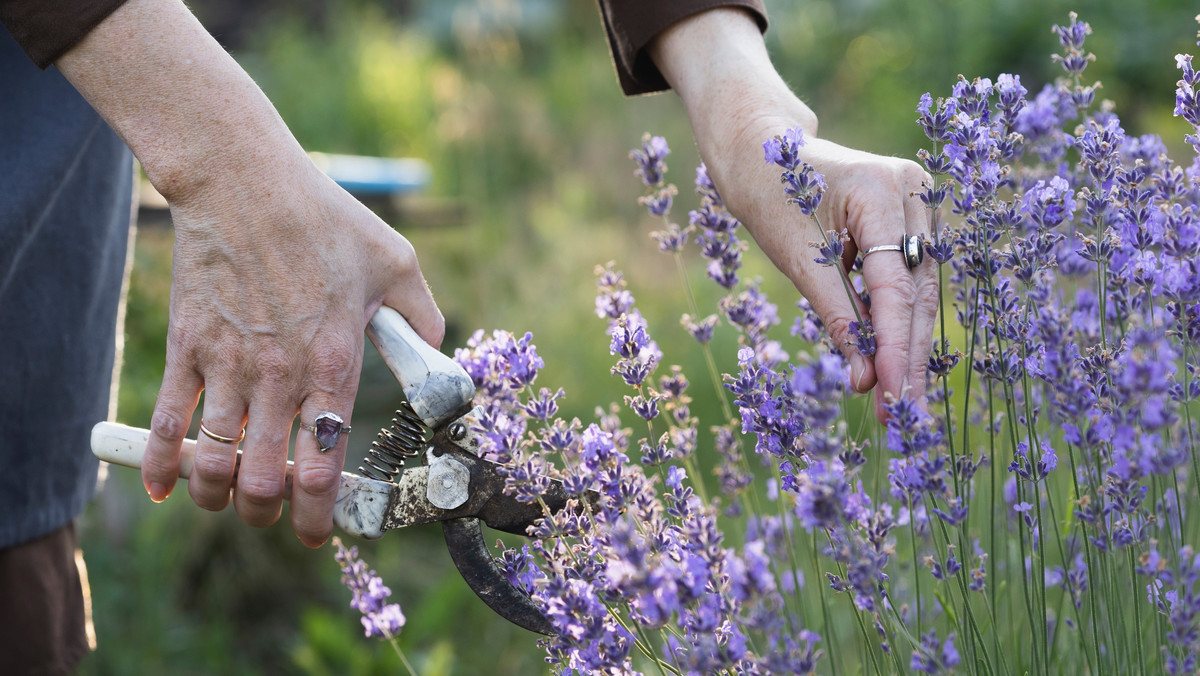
{"x":361,"y":175}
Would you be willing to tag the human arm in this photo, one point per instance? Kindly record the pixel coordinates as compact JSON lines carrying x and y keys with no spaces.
{"x":276,"y":269}
{"x":717,"y":63}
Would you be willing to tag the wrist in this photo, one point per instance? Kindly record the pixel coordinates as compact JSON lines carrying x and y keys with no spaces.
{"x":717,"y":62}
{"x":186,"y":109}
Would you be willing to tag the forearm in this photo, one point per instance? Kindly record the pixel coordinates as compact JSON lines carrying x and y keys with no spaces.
{"x":717,"y":62}
{"x":181,"y":103}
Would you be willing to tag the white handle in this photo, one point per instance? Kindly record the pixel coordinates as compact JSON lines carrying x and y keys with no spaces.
{"x":361,"y":502}
{"x":436,"y":386}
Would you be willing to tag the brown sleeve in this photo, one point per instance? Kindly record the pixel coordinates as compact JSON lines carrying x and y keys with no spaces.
{"x":47,"y":29}
{"x":632,"y":24}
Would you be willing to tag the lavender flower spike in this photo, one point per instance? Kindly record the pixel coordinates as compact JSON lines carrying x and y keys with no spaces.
{"x":650,"y":159}
{"x":379,"y":619}
{"x":803,"y":185}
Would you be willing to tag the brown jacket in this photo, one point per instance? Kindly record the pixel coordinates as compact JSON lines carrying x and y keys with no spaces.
{"x":46,"y":29}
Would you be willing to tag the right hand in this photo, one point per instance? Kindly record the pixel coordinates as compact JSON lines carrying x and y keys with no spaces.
{"x":276,"y":275}
{"x":277,"y":270}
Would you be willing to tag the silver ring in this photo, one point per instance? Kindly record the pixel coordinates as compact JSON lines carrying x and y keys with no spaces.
{"x":217,"y":437}
{"x":909,"y":246}
{"x":327,"y":428}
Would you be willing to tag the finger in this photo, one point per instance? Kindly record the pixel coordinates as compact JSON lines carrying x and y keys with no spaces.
{"x":317,"y":474}
{"x":258,"y":494}
{"x":893,"y":294}
{"x":925,"y":308}
{"x":177,"y":399}
{"x":212,"y":469}
{"x":411,"y":297}
{"x":836,"y":308}
{"x":333,"y":367}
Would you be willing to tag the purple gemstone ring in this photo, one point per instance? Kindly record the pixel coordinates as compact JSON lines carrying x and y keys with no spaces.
{"x":327,"y":428}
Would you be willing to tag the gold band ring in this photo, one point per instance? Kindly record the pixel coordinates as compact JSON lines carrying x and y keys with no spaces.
{"x":217,"y":437}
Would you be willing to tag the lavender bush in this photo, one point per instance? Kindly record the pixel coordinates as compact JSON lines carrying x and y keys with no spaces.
{"x":1036,"y":519}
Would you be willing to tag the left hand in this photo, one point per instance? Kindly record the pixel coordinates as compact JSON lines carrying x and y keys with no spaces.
{"x":716,"y":61}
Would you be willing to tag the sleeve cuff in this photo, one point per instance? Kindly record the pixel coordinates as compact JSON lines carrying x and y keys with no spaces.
{"x":632,"y":24}
{"x":47,"y":29}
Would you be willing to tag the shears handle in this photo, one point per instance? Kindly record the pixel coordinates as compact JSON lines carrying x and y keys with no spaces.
{"x":361,"y":503}
{"x":438,"y":389}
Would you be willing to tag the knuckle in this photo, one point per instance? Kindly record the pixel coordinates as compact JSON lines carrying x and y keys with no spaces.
{"x":169,"y":425}
{"x":404,"y":256}
{"x":839,"y":327}
{"x":318,"y":478}
{"x":334,"y":360}
{"x":272,"y":364}
{"x":180,"y":336}
{"x":927,"y":289}
{"x":878,"y":174}
{"x":901,"y":291}
{"x":914,"y":175}
{"x":260,"y":490}
{"x":184,"y":344}
{"x":210,"y":468}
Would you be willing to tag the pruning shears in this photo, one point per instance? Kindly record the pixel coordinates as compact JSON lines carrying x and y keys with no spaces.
{"x":452,"y":484}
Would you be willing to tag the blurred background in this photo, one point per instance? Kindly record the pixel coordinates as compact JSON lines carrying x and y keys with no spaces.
{"x":514,"y":106}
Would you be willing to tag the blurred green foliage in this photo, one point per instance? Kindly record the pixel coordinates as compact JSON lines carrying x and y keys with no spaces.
{"x":516,"y":107}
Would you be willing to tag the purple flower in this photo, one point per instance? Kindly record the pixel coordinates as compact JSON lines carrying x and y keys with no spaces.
{"x":613,"y":300}
{"x":1049,"y":204}
{"x":544,"y":406}
{"x":1072,"y":36}
{"x":705,"y":187}
{"x":650,"y":160}
{"x":802,"y":184}
{"x":935,"y":119}
{"x":930,"y":658}
{"x":864,"y":337}
{"x":671,"y":240}
{"x":784,"y":150}
{"x":659,"y":202}
{"x":379,"y":619}
{"x":823,"y":496}
{"x":702,"y":330}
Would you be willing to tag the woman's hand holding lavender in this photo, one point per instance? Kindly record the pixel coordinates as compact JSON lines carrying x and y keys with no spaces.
{"x":716,"y":61}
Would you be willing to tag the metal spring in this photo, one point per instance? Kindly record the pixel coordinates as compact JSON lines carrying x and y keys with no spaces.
{"x":393,"y":445}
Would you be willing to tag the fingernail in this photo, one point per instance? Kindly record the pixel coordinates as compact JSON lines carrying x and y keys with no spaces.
{"x":158,"y":492}
{"x":858,"y":370}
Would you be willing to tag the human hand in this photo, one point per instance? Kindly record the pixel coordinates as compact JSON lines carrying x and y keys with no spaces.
{"x":277,"y":271}
{"x":717,"y":63}
{"x":268,"y":305}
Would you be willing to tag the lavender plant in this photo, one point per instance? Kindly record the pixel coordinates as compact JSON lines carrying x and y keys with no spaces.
{"x":1038,"y":518}
{"x":379,"y":618}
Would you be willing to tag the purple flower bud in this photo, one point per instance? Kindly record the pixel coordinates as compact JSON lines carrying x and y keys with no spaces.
{"x":379,"y":619}
{"x":650,"y":160}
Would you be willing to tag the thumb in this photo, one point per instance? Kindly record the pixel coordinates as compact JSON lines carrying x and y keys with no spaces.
{"x":414,"y":301}
{"x":407,"y":292}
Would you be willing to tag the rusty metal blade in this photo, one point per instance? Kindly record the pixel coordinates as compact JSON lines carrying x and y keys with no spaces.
{"x":468,"y":550}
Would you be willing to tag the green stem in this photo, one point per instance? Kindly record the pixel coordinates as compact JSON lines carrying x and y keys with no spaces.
{"x":833,"y":653}
{"x":400,"y":653}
